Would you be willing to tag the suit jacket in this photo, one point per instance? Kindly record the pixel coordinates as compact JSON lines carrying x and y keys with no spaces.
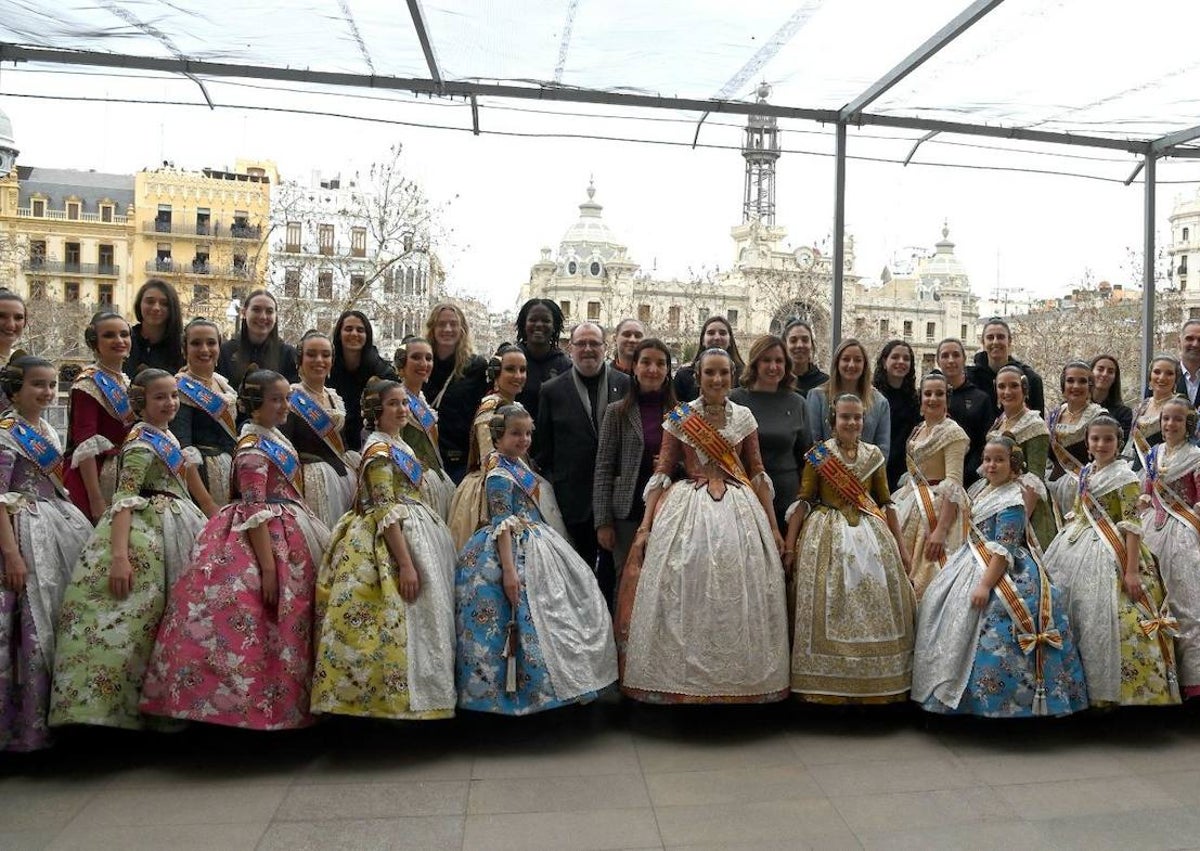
{"x":618,"y":461}
{"x":566,"y":439}
{"x":1181,"y":389}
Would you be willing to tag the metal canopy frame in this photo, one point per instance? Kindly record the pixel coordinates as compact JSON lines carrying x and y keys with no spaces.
{"x":1148,"y":150}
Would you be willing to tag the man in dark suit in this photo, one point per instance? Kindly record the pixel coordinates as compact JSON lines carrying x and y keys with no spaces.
{"x":1188,"y":382}
{"x":570,"y":406}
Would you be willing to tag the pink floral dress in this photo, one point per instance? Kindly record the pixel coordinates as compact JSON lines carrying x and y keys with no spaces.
{"x":223,"y":657}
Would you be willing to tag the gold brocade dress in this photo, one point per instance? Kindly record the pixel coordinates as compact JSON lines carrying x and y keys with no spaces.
{"x":854,"y":607}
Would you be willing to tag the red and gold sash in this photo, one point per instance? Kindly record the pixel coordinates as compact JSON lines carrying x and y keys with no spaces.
{"x":1140,"y":444}
{"x":711,"y":442}
{"x":842,"y":479}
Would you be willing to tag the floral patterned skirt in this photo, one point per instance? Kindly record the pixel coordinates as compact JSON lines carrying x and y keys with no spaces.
{"x":222,"y":655}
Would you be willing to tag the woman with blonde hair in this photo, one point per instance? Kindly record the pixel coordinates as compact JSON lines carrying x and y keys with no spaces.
{"x":849,"y":374}
{"x":455,"y":386}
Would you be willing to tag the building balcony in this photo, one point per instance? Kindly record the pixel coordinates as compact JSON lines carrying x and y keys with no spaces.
{"x":204,"y":230}
{"x":211,"y":270}
{"x":38,"y":266}
{"x":246,"y":231}
{"x":61,"y":216}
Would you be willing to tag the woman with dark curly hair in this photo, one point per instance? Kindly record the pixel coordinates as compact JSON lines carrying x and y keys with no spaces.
{"x":895,"y":377}
{"x":539,"y":325}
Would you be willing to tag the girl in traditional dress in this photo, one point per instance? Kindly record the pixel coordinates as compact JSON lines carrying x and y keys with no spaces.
{"x":701,"y":608}
{"x":41,"y":535}
{"x":1171,"y":495}
{"x":385,"y":597}
{"x":1067,"y":425}
{"x":993,"y":637}
{"x":854,"y":603}
{"x":1164,"y":375}
{"x":120,"y":585}
{"x":533,"y":628}
{"x":1116,"y":601}
{"x":98,"y":416}
{"x":235,"y":645}
{"x":13,"y":315}
{"x":931,"y":502}
{"x":314,"y":426}
{"x":414,"y":360}
{"x":207,"y":417}
{"x":1029,"y":430}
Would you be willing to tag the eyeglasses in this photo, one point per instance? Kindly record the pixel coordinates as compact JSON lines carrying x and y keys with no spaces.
{"x":587,"y":344}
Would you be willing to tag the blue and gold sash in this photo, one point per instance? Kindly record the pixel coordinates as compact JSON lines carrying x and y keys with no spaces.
{"x":113,"y":391}
{"x":521,"y":474}
{"x":213,"y":404}
{"x":316,"y":418}
{"x":404,"y":460}
{"x":283,"y":457}
{"x":422,"y":413}
{"x":38,"y":449}
{"x":164,"y":447}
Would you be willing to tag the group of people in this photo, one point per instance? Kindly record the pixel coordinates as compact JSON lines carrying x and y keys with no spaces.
{"x":249,"y":533}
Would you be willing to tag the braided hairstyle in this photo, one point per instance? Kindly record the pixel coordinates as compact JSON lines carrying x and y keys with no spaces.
{"x":1016,"y":454}
{"x":253,"y":386}
{"x":372,"y":400}
{"x":501,"y":417}
{"x":90,"y":335}
{"x":12,"y":377}
{"x":137,"y":387}
{"x":496,"y":360}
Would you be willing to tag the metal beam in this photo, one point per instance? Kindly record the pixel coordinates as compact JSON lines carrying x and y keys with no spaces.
{"x":839,"y":236}
{"x":418,"y":18}
{"x":474,"y":115}
{"x":956,"y":27}
{"x":1133,"y":146}
{"x":1148,"y":323}
{"x":1179,"y":137}
{"x":918,"y":144}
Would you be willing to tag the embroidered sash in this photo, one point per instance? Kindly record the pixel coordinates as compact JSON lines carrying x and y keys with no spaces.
{"x":167,"y":450}
{"x":38,"y":449}
{"x":1065,"y":459}
{"x":114,"y":394}
{"x":710,"y":441}
{"x":283,"y":457}
{"x":317,"y":418}
{"x":1175,"y":505}
{"x":423,"y":414}
{"x":521,"y":474}
{"x":841,"y":479}
{"x":924,"y":494}
{"x":407,"y":463}
{"x":1140,"y":444}
{"x":206,"y":400}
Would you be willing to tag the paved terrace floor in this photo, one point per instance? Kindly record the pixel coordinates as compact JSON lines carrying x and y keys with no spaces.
{"x":615,"y":776}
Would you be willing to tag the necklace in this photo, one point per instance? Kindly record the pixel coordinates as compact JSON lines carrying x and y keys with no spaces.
{"x":318,"y":392}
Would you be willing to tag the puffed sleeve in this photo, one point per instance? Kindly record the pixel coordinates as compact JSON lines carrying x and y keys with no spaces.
{"x":83,"y":429}
{"x":136,"y":462}
{"x":1010,"y":532}
{"x":498,"y":494}
{"x":381,"y":484}
{"x":250,"y":471}
{"x":810,"y":484}
{"x":879,"y":487}
{"x":1130,"y":510}
{"x":483,"y":435}
{"x":8,"y":460}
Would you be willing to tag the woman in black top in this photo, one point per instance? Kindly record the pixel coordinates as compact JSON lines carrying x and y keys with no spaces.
{"x":456,"y":385}
{"x":896,"y":378}
{"x":968,"y":406}
{"x":716,"y":333}
{"x":202,"y":422}
{"x":1106,"y":390}
{"x":257,"y":344}
{"x":157,"y":340}
{"x":355,"y":362}
{"x":798,"y":334}
{"x":539,"y":325}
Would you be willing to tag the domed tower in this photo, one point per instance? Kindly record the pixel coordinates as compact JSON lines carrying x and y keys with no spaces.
{"x":760,"y":149}
{"x":943,"y":274}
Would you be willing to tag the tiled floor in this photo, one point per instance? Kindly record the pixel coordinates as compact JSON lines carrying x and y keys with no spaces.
{"x":616,"y":776}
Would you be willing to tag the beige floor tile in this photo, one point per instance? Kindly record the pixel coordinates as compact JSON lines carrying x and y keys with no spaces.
{"x":732,"y":786}
{"x":556,"y":794}
{"x":877,"y":778}
{"x":1144,"y":831}
{"x":977,"y":837}
{"x":180,"y":805}
{"x":394,"y":768}
{"x":1066,"y":798}
{"x":430,"y":833}
{"x":597,"y":829}
{"x":763,"y":821}
{"x":37,"y":808}
{"x":841,"y":841}
{"x":201,"y":837}
{"x":587,"y":756}
{"x":824,"y":748}
{"x":1004,"y":769}
{"x":668,"y":755}
{"x":264,"y":773}
{"x":1183,"y":786}
{"x":374,"y":800}
{"x":901,"y":811}
{"x":26,"y":840}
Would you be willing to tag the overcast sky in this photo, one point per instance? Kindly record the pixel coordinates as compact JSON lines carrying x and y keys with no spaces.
{"x":508,"y":197}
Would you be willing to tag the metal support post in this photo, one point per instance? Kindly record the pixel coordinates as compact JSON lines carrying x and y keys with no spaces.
{"x":839,"y":236}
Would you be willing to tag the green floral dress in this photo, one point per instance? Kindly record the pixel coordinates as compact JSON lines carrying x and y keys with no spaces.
{"x":104,"y":644}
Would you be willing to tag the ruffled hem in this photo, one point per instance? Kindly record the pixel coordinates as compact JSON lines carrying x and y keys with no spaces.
{"x":90,"y":448}
{"x":657,"y":481}
{"x":998,"y":549}
{"x":761,"y":478}
{"x":192,"y":456}
{"x":398,"y":513}
{"x":1039,"y":487}
{"x":952,"y":491}
{"x":136,"y":503}
{"x":512,"y":523}
{"x":13,"y":501}
{"x":258,"y":518}
{"x":1127,"y":526}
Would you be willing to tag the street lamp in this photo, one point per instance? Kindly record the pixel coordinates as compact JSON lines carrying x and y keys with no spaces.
{"x":8,"y":146}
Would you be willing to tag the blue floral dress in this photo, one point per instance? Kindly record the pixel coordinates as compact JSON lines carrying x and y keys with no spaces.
{"x":565,"y":651}
{"x":969,"y":662}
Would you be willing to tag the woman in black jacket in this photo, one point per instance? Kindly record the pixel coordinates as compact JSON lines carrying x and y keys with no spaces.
{"x":355,"y":362}
{"x":157,"y":339}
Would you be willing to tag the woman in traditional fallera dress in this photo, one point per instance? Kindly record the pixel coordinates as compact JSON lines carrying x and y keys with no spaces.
{"x":41,"y":535}
{"x":1122,"y":624}
{"x":931,"y":502}
{"x":533,"y":628}
{"x":1029,"y":430}
{"x":414,"y":360}
{"x":120,"y":584}
{"x":207,"y":417}
{"x":854,"y":604}
{"x":385,"y":595}
{"x":98,"y":416}
{"x":993,"y":637}
{"x":1146,"y":433}
{"x":1171,"y":499}
{"x":1067,"y":425}
{"x":314,"y":426}
{"x":13,"y":315}
{"x":701,"y":611}
{"x":235,"y":645}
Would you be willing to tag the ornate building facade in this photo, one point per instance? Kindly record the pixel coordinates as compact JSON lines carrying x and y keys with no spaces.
{"x":1184,"y":252}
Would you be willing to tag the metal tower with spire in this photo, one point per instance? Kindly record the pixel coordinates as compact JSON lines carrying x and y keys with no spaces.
{"x":760,"y":149}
